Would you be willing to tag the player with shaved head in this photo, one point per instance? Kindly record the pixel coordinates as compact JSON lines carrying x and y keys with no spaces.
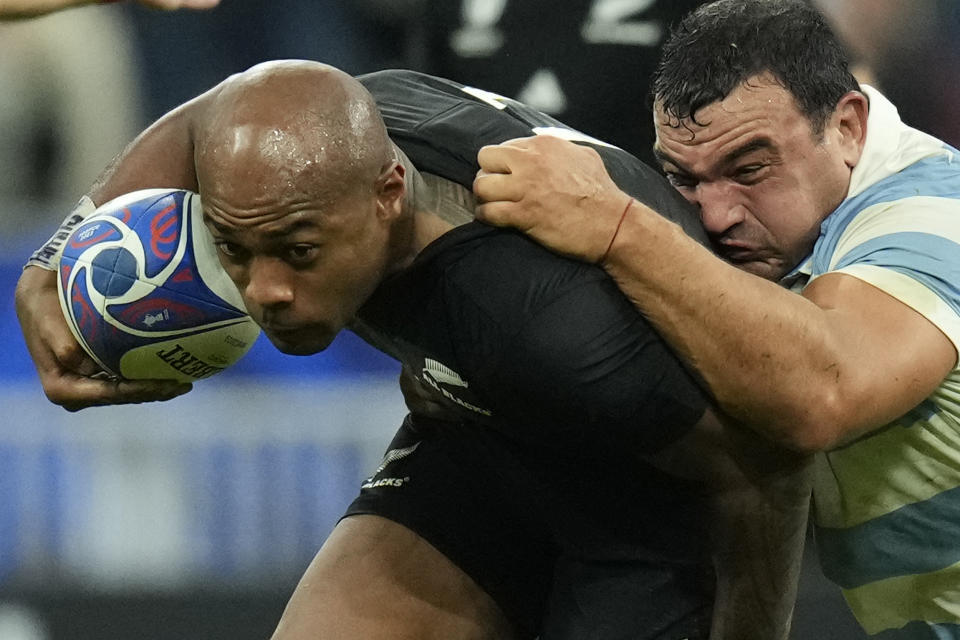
{"x":577,"y":484}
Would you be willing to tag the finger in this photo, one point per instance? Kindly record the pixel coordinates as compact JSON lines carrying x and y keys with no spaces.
{"x":521,"y":143}
{"x":79,"y":392}
{"x":498,"y":214}
{"x":127,"y":391}
{"x":498,"y":158}
{"x":55,"y":362}
{"x":69,"y":355}
{"x":495,"y":187}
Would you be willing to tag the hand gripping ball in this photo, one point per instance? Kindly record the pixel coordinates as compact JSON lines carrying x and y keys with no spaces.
{"x":144,"y":293}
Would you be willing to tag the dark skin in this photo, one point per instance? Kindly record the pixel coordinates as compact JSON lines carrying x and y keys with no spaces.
{"x":307,"y":242}
{"x":305,"y":200}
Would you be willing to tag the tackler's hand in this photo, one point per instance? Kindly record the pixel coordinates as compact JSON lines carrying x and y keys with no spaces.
{"x":70,"y":378}
{"x":555,"y":191}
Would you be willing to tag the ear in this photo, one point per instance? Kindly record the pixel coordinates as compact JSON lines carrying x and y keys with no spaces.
{"x":849,"y":122}
{"x":390,"y":189}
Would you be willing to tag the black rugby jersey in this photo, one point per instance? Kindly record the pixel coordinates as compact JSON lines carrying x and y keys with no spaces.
{"x":512,"y":335}
{"x":551,"y":368}
{"x":441,"y":125}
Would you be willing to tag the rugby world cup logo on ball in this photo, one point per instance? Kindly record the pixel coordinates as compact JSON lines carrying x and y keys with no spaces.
{"x":144,"y":293}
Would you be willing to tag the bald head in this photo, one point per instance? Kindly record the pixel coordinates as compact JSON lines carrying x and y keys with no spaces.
{"x":283,"y":132}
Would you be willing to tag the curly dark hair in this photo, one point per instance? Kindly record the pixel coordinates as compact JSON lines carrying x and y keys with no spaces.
{"x":724,"y":43}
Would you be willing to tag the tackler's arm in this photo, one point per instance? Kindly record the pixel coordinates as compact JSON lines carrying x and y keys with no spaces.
{"x":758,"y":498}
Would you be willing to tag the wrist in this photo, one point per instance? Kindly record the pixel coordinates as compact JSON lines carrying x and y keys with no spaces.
{"x":48,"y":256}
{"x":616,"y":230}
{"x":643,"y":239}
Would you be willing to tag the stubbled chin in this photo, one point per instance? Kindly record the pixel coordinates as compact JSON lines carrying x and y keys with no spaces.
{"x":761,"y":269}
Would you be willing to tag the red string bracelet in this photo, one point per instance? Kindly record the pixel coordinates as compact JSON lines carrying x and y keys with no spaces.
{"x":616,"y":231}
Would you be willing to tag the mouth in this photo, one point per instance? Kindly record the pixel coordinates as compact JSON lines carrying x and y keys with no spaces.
{"x":740,"y":256}
{"x":737,"y":255}
{"x":286,"y":332}
{"x":297,"y":339}
{"x":737,"y":252}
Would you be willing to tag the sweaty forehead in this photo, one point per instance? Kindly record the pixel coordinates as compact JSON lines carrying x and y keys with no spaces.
{"x":757,"y":98}
{"x":274,"y":149}
{"x":250,"y":171}
{"x":269,"y":225}
{"x":758,"y":114}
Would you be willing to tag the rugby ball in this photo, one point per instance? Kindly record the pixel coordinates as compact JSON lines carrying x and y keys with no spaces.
{"x":144,"y":293}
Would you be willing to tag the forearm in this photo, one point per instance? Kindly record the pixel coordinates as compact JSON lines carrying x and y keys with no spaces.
{"x":160,"y":157}
{"x":757,"y":534}
{"x":758,"y":496}
{"x":765,"y":353}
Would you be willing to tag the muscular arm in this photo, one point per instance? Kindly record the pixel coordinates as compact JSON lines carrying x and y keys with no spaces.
{"x":758,"y":500}
{"x":162,"y":156}
{"x":809,"y":371}
{"x":608,"y":374}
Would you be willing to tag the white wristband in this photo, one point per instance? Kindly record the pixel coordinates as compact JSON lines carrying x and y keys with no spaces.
{"x":48,"y":256}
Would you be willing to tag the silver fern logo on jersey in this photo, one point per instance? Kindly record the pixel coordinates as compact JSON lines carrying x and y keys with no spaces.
{"x":436,"y":374}
{"x":442,"y":373}
{"x":391,"y":456}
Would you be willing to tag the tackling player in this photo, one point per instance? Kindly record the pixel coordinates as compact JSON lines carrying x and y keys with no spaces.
{"x":577,"y":487}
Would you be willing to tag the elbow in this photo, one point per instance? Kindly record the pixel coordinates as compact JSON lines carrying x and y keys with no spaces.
{"x":819,"y":425}
{"x":805,"y":439}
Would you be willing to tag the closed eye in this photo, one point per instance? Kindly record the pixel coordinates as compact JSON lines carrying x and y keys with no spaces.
{"x":748,"y":174}
{"x":680,"y":180}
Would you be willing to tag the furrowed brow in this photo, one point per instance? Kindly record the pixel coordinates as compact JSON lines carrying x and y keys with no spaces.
{"x":293,"y":227}
{"x":219,"y":226}
{"x":758,"y":144}
{"x":665,"y":158}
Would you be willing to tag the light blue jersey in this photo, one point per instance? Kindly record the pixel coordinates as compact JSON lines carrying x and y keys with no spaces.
{"x":887,"y":506}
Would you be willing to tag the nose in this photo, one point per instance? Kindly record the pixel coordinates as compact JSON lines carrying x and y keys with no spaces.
{"x":268,"y":282}
{"x":720,"y":208}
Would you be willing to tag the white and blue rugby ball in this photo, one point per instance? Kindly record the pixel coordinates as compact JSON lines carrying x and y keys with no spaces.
{"x":144,"y":293}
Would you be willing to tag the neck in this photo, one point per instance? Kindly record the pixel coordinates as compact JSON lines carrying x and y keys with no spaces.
{"x":433,"y":205}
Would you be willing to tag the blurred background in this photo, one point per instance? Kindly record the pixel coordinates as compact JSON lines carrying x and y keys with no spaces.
{"x":195,"y":518}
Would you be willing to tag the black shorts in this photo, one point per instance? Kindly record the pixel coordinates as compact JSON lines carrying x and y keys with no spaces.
{"x":573,"y":548}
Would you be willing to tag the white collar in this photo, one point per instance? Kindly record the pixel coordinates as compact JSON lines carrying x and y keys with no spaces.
{"x":891,"y":146}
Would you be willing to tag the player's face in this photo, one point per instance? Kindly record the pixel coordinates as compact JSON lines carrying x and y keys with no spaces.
{"x":761,"y":177}
{"x":304,"y":267}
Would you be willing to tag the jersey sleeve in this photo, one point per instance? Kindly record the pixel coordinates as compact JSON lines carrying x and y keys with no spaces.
{"x":910,"y":249}
{"x":591,"y":367}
